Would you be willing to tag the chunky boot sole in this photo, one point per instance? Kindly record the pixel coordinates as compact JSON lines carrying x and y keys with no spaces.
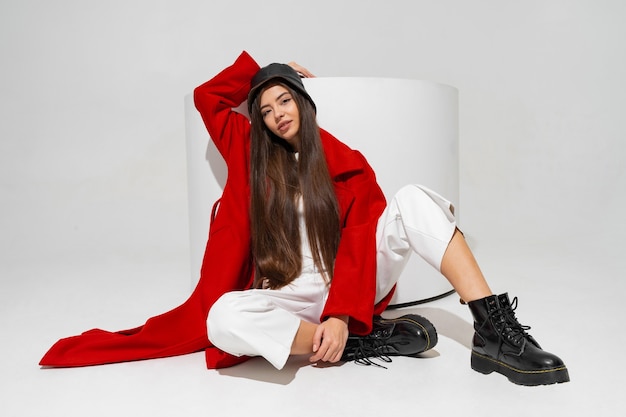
{"x":422,"y":322}
{"x":486,"y":365}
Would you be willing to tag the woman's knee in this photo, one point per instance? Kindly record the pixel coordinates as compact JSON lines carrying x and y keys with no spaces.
{"x":233,"y":314}
{"x":223,"y":318}
{"x":417,"y":198}
{"x":413,"y":193}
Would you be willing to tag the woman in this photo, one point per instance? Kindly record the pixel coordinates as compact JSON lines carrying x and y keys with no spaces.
{"x":303,"y":252}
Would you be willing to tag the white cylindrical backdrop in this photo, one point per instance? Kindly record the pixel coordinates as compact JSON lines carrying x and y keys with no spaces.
{"x":407,"y":129}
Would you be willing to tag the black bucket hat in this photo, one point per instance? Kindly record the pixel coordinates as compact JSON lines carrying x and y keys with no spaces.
{"x":274,"y":71}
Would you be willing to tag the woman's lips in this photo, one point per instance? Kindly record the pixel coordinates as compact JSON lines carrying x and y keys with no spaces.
{"x":283,"y":126}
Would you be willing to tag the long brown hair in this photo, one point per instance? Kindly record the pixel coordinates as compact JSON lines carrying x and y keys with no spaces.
{"x":277,"y":179}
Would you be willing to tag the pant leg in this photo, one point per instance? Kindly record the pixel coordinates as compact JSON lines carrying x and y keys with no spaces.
{"x":264,"y":322}
{"x":416,"y":220}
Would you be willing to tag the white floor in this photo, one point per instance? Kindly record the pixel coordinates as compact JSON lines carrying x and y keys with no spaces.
{"x":571,"y":294}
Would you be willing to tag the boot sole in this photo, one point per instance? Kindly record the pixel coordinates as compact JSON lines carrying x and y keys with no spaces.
{"x":486,"y":365}
{"x":427,"y":327}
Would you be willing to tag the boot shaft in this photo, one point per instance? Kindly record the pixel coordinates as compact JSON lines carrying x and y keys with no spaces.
{"x":496,"y":327}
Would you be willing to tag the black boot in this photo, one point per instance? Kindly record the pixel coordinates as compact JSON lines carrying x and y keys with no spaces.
{"x":408,"y":335}
{"x":501,"y":344}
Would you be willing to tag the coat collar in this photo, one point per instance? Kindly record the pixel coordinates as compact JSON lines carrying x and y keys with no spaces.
{"x":341,"y":159}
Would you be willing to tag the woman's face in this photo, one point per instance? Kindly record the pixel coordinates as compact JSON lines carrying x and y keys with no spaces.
{"x":281,"y":115}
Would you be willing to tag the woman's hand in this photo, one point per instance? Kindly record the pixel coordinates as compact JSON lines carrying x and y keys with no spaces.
{"x":330,"y":339}
{"x":301,"y":70}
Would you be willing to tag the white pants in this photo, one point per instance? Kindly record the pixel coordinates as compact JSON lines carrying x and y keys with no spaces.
{"x":263,"y":322}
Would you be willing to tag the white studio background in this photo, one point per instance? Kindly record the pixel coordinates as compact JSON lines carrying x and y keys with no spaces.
{"x":92,"y":140}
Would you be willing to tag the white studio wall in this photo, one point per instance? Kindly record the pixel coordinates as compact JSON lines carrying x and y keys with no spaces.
{"x":92,"y":132}
{"x":415,"y":140}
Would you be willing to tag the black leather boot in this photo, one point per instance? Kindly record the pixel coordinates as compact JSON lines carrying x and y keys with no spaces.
{"x":408,"y":335}
{"x":501,"y":344}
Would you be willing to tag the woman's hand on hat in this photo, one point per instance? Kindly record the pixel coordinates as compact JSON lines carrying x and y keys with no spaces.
{"x":305,"y":73}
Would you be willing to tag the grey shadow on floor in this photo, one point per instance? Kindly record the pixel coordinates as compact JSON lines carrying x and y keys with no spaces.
{"x":259,"y":369}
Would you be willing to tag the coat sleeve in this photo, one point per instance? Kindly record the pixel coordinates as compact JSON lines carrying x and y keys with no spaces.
{"x":353,"y":288}
{"x":183,"y":329}
{"x":216,"y":98}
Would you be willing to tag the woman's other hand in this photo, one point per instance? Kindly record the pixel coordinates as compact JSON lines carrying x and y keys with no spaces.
{"x":330,"y":339}
{"x":301,"y":70}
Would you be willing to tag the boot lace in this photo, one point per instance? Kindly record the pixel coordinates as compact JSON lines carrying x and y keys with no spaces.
{"x":371,"y":347}
{"x":508,"y":326}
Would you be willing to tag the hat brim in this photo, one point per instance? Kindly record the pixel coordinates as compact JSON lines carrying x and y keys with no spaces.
{"x":261,"y":85}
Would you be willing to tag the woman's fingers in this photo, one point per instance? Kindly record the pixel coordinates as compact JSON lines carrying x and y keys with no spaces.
{"x":301,"y":70}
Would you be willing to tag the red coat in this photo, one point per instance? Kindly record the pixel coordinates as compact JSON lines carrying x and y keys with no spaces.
{"x":227,"y":263}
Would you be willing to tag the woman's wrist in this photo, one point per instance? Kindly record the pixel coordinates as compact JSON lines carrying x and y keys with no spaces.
{"x":344,"y":318}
